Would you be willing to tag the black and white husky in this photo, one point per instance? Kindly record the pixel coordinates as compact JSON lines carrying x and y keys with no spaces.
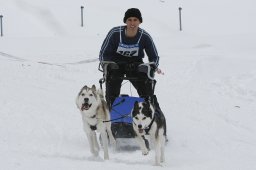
{"x":94,"y":112}
{"x":148,"y":120}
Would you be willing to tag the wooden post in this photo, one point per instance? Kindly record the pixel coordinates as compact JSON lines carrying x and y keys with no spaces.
{"x":180,"y":18}
{"x":1,"y":24}
{"x":82,"y":16}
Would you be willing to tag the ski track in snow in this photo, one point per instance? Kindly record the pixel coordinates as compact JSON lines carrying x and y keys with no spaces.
{"x":9,"y":56}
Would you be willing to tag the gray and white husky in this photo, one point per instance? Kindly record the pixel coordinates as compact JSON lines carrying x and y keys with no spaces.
{"x":146,"y":121}
{"x":94,"y":112}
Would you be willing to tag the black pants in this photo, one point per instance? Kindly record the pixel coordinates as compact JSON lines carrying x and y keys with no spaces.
{"x":143,"y":84}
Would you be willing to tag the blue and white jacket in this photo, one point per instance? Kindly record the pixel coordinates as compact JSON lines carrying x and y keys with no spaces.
{"x":143,"y":40}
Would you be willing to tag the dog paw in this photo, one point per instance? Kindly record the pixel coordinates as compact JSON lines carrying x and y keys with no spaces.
{"x":112,"y":142}
{"x":106,"y":157}
{"x":95,"y":153}
{"x":145,"y":152}
{"x":158,"y":164}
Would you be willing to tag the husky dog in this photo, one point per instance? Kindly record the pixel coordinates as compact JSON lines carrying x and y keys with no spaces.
{"x":95,"y":112}
{"x":148,"y":120}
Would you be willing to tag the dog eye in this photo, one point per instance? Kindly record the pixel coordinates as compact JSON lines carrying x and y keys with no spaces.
{"x":91,"y":94}
{"x":143,"y":118}
{"x":82,"y":94}
{"x":136,"y":118}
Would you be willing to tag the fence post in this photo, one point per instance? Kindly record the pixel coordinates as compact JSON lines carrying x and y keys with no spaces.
{"x":180,"y":17}
{"x":82,"y":16}
{"x":1,"y":24}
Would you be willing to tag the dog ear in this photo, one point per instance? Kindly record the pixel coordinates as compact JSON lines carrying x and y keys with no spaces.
{"x":147,"y":104}
{"x":100,"y":93}
{"x":136,"y":105}
{"x":135,"y":108}
{"x":93,"y":87}
{"x":85,"y":87}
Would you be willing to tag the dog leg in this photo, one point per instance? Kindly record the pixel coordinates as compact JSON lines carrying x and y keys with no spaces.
{"x":95,"y":143}
{"x":142,"y":144}
{"x":157,"y":151}
{"x":160,"y":143}
{"x":91,"y":140}
{"x":110,"y":135}
{"x":162,"y":159}
{"x":104,"y":137}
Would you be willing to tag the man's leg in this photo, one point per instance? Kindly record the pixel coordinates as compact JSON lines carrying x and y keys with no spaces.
{"x":143,"y":85}
{"x":113,"y":86}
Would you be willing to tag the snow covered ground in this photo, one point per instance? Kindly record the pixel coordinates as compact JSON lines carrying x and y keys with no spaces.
{"x":207,"y":93}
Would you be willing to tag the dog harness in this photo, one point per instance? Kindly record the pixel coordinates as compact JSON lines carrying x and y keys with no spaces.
{"x":147,"y":129}
{"x":93,"y":127}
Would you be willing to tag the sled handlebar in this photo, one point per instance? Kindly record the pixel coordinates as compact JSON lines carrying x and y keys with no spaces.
{"x":148,"y":68}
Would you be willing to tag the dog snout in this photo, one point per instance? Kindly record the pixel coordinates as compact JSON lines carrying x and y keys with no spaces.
{"x":139,"y":126}
{"x":86,"y":100}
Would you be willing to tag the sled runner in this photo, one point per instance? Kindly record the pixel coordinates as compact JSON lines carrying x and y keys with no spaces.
{"x":120,"y":112}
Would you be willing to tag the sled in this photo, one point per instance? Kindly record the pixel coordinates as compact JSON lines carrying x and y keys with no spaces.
{"x":120,"y":113}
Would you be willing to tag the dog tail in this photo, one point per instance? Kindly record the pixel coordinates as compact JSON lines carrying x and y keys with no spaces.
{"x":100,"y":93}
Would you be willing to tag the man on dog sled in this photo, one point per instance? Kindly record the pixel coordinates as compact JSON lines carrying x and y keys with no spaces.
{"x":121,"y":57}
{"x":125,"y":45}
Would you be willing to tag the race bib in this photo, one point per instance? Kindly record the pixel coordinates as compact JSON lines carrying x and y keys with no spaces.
{"x":128,"y":50}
